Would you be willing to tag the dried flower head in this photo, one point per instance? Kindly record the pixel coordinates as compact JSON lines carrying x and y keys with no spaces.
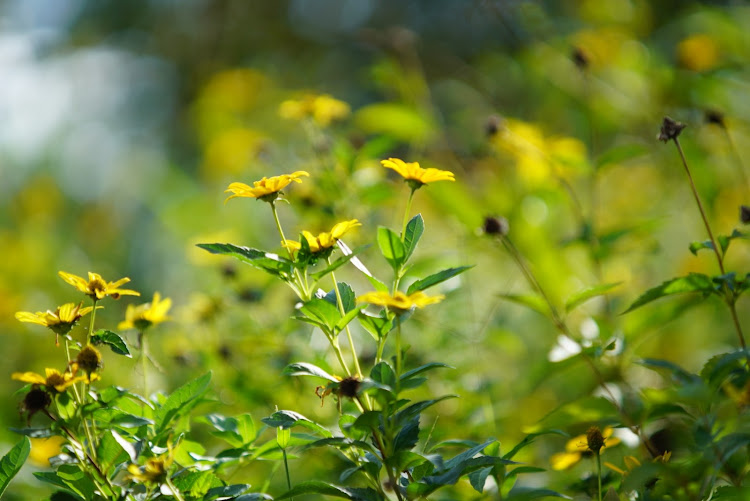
{"x":496,"y":226}
{"x":715,"y":117}
{"x":670,"y":129}
{"x":35,"y":401}
{"x":594,"y":439}
{"x":89,"y":360}
{"x":349,"y":386}
{"x":744,"y":214}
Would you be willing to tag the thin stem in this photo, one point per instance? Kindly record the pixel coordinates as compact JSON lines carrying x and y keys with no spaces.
{"x":173,"y":489}
{"x":737,"y":156}
{"x":298,"y":277}
{"x":599,"y":472}
{"x":728,"y":295}
{"x":91,"y":321}
{"x":286,"y":467}
{"x":398,"y":354}
{"x":144,"y":361}
{"x":407,"y":211}
{"x":337,"y":350}
{"x":343,"y":312}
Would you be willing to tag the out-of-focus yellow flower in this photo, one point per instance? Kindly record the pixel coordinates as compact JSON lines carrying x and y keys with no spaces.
{"x":267,"y":189}
{"x":322,"y":108}
{"x":578,"y":447}
{"x":415,"y":175}
{"x":698,"y":52}
{"x":145,"y":315}
{"x":230,"y":151}
{"x":44,"y":448}
{"x":153,"y":471}
{"x":59,"y":321}
{"x":399,"y":301}
{"x":324,"y":240}
{"x":632,"y":462}
{"x":54,"y":381}
{"x":96,"y":287}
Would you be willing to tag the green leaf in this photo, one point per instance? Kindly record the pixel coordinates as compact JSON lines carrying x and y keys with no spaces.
{"x":197,"y":483}
{"x":719,"y":367}
{"x":347,"y":297}
{"x":76,"y":480}
{"x":694,"y":282}
{"x":379,"y":326}
{"x":478,"y":479}
{"x":266,"y":261}
{"x":581,"y":297}
{"x":111,"y":339}
{"x":34,"y":432}
{"x":320,"y":312}
{"x":12,"y":462}
{"x":305,"y":369}
{"x":696,"y":246}
{"x":423,"y":368}
{"x":255,"y":496}
{"x":391,"y":247}
{"x":226,"y":492}
{"x":326,"y":489}
{"x":181,"y":400}
{"x":529,"y":439}
{"x":339,"y":262}
{"x":416,"y":408}
{"x":110,"y":452}
{"x":407,"y":435}
{"x":288,"y":419}
{"x":436,"y":278}
{"x":66,"y":406}
{"x":725,"y":240}
{"x":529,"y":493}
{"x":414,"y":230}
{"x":531,"y":301}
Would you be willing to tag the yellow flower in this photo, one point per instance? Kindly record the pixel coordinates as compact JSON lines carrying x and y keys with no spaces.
{"x":698,"y":53}
{"x":154,"y":471}
{"x":399,"y":301}
{"x":632,"y":462}
{"x":44,"y":448}
{"x":142,"y":316}
{"x":322,"y":108}
{"x":324,"y":240}
{"x":267,"y":189}
{"x":55,"y":381}
{"x":578,"y":447}
{"x":96,"y":287}
{"x":415,"y":175}
{"x":59,"y":321}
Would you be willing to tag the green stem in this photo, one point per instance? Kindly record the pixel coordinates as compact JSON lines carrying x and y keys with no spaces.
{"x":398,"y":354}
{"x":297,"y":276}
{"x":144,"y":361}
{"x":599,"y":473}
{"x":286,"y":467}
{"x":174,"y":490}
{"x":728,"y":295}
{"x":91,"y":321}
{"x":348,"y":331}
{"x":406,"y":214}
{"x":337,"y":349}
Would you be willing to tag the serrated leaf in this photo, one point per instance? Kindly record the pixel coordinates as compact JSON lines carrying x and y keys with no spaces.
{"x":391,"y":247}
{"x":110,"y":453}
{"x":414,"y":231}
{"x":111,"y":339}
{"x":305,"y":369}
{"x":12,"y":462}
{"x":436,"y":278}
{"x":320,"y":312}
{"x":581,"y":297}
{"x":719,"y":367}
{"x":694,"y":282}
{"x":379,"y":326}
{"x":266,"y":261}
{"x":347,"y":297}
{"x":181,"y":400}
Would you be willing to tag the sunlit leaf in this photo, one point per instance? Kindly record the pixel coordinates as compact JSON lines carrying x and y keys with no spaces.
{"x":414,"y":230}
{"x":12,"y":462}
{"x":391,"y":247}
{"x":111,"y":339}
{"x":582,"y":296}
{"x":436,"y":278}
{"x":694,"y":282}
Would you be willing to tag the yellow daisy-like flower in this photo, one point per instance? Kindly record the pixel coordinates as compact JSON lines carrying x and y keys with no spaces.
{"x":415,"y":175}
{"x":153,"y":471}
{"x":54,"y":381}
{"x":267,"y":189}
{"x":145,"y":315}
{"x":399,"y":301}
{"x":578,"y":447}
{"x":322,"y":108}
{"x":59,"y":321}
{"x":324,"y":240}
{"x":96,"y":287}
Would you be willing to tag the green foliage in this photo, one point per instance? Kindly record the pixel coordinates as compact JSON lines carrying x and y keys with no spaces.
{"x":12,"y":462}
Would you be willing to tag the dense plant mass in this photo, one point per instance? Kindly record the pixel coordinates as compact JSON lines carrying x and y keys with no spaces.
{"x":376,"y":253}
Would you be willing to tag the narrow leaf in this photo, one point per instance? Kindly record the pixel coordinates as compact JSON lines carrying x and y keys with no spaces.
{"x":12,"y":462}
{"x":181,"y":399}
{"x":266,"y":261}
{"x":581,"y":297}
{"x":414,"y":230}
{"x":531,"y":301}
{"x":391,"y":247}
{"x":694,"y":282}
{"x":436,"y":278}
{"x":305,"y":369}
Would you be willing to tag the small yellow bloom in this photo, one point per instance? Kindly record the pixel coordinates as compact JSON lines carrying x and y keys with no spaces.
{"x":154,"y":471}
{"x":399,"y":301}
{"x":322,"y":108}
{"x":96,"y":287}
{"x":415,"y":175}
{"x":55,"y":381}
{"x":578,"y":447}
{"x":142,"y":316}
{"x":267,"y":189}
{"x":324,"y":240}
{"x":59,"y":321}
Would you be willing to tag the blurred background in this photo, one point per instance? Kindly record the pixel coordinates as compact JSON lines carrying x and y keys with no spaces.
{"x":121,"y":123}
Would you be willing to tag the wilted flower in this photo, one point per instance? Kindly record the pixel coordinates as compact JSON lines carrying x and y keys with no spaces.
{"x":670,"y":129}
{"x":496,"y":226}
{"x":145,"y":315}
{"x":267,"y":189}
{"x":324,"y":240}
{"x":399,"y":301}
{"x":578,"y":447}
{"x":415,"y":175}
{"x":59,"y":321}
{"x":35,"y":400}
{"x":89,"y":360}
{"x":96,"y":287}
